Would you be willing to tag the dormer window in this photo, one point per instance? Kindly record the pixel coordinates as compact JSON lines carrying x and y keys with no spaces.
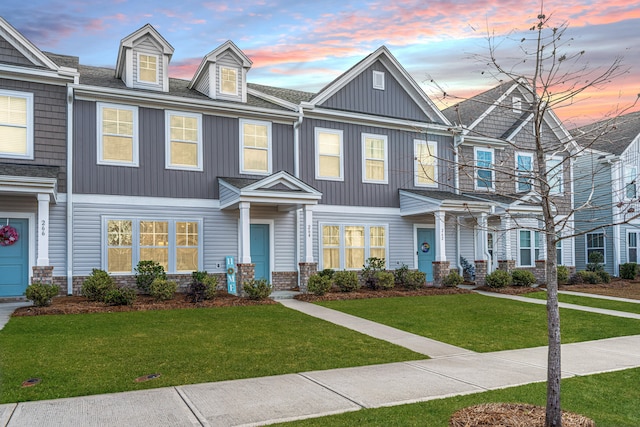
{"x":378,"y":80}
{"x":228,"y":81}
{"x":147,"y":68}
{"x":516,"y":104}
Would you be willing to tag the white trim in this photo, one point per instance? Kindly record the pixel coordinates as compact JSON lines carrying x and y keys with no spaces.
{"x":490,"y":169}
{"x":269,"y":149}
{"x":104,"y":199}
{"x":145,"y":82}
{"x":100,"y":106}
{"x":516,"y":104}
{"x":367,"y":241}
{"x":385,"y":159}
{"x":356,"y":210}
{"x":415,"y":240}
{"x":236,"y":72}
{"x":29,"y":185}
{"x":272,"y":250}
{"x":559,"y":173}
{"x":604,"y":246}
{"x":28,"y":97}
{"x":417,"y":165}
{"x":31,"y":217}
{"x":518,"y":154}
{"x":532,"y":249}
{"x":378,"y":80}
{"x":317,"y":131}
{"x":24,"y":46}
{"x":633,"y":169}
{"x":167,"y":140}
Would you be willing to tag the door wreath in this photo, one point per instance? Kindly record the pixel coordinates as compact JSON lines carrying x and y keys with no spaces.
{"x":8,"y":235}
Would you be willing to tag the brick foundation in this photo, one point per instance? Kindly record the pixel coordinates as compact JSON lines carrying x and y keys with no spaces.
{"x":42,"y":274}
{"x":540,"y":271}
{"x":244,"y":273}
{"x":481,"y":272}
{"x":440,"y":271}
{"x":306,"y":270}
{"x":507,"y":265}
{"x":284,"y":280}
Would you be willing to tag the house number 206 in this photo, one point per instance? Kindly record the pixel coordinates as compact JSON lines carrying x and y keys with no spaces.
{"x":43,"y":227}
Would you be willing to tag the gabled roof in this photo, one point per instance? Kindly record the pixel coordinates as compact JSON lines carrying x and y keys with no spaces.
{"x":519,"y":202}
{"x":24,"y":46}
{"x":399,"y":73}
{"x":418,"y":202}
{"x":468,"y":112}
{"x":213,"y":56}
{"x":612,"y":135}
{"x":128,"y":41}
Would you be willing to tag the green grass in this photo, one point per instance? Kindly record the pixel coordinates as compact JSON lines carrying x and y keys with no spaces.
{"x":482,"y":323}
{"x":100,"y":353}
{"x":629,"y":307}
{"x":610,"y":399}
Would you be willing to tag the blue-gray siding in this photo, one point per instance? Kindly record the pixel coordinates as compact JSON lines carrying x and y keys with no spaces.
{"x":11,"y":55}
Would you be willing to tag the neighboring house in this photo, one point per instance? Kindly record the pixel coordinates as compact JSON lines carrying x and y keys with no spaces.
{"x":497,"y":162}
{"x":607,"y":191}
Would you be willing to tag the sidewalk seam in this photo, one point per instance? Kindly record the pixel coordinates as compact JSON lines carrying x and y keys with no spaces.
{"x":326,"y":387}
{"x":201,"y":418}
{"x":15,"y":406}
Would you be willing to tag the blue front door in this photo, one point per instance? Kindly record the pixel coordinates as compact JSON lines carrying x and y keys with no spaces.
{"x":426,"y":251}
{"x":14,"y":260}
{"x":260,"y":250}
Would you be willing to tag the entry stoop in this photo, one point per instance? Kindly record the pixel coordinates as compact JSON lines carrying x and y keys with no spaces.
{"x":278,"y":295}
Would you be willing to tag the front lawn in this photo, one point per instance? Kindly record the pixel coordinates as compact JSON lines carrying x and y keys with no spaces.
{"x":100,"y":353}
{"x":482,"y":323}
{"x":629,"y":307}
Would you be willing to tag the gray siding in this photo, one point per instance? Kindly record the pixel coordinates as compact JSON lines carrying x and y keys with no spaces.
{"x":359,"y":96}
{"x":11,"y":55}
{"x":147,"y":47}
{"x":284,"y":236}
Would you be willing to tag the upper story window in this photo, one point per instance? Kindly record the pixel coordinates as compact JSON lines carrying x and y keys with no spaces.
{"x":630,"y":175}
{"x":228,"y":81}
{"x":374,"y":158}
{"x":16,"y":124}
{"x":516,"y":104}
{"x":524,"y":171}
{"x":183,"y":140}
{"x":117,"y":135}
{"x":425,"y":153}
{"x":529,"y":247}
{"x":484,"y":168}
{"x":378,"y":80}
{"x":147,"y":68}
{"x":255,"y":147}
{"x":554,"y":175}
{"x":329,"y":159}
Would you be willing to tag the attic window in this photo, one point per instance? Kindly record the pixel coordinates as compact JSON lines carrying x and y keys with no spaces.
{"x":516,"y":104}
{"x":228,"y":81}
{"x":147,"y":68}
{"x":378,"y":80}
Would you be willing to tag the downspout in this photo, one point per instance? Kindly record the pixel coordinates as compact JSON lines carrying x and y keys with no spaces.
{"x":457,"y":141}
{"x":69,"y":190}
{"x":296,"y":173}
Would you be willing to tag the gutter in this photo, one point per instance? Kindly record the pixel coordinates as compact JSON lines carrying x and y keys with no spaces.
{"x":69,"y":190}
{"x":296,"y":173}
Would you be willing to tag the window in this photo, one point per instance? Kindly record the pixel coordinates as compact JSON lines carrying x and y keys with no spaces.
{"x":183,"y":138}
{"x":378,"y":80}
{"x":255,"y":147}
{"x":174,"y":244}
{"x":595,"y":243}
{"x":374,"y":158}
{"x":16,"y":124}
{"x":425,"y":153}
{"x":632,"y":247}
{"x":484,"y":168}
{"x":630,"y":175}
{"x":516,"y":104}
{"x":529,"y":247}
{"x":147,"y":68}
{"x":329,"y":163}
{"x":348,"y":246}
{"x":554,"y":175}
{"x":559,"y":252}
{"x":524,"y":171}
{"x":117,"y":135}
{"x":228,"y":81}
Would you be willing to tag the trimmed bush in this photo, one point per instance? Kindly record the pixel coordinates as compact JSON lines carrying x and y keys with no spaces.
{"x":346,"y":281}
{"x":370,"y":271}
{"x":162,"y":289}
{"x":385,"y":280}
{"x":319,"y":285}
{"x":41,"y":293}
{"x":257,"y":289}
{"x":120,"y":296}
{"x":563,"y":274}
{"x":523,"y":278}
{"x":604,"y":276}
{"x":628,"y":271}
{"x":452,"y":279}
{"x":595,"y":261}
{"x":498,"y":279}
{"x":590,"y":277}
{"x":415,"y":280}
{"x":327,"y":272}
{"x":202,"y":286}
{"x":97,"y":285}
{"x":400,"y":274}
{"x":146,"y":273}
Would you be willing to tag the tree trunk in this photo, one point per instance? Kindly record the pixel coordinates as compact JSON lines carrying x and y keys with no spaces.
{"x":554,"y":371}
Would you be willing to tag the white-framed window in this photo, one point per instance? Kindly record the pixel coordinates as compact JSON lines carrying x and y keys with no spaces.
{"x":595,"y":243}
{"x":632,"y":246}
{"x":117,"y":134}
{"x":528,"y":247}
{"x":524,"y":172}
{"x":255,"y":147}
{"x":183,"y":140}
{"x":559,"y":255}
{"x":228,"y":80}
{"x":348,"y":246}
{"x":483,"y":158}
{"x":147,"y":68}
{"x":426,"y":165}
{"x":374,"y":159}
{"x":329,"y":156}
{"x":554,"y":175}
{"x":630,"y":177}
{"x":378,"y":80}
{"x":16,"y":124}
{"x":176,"y":244}
{"x":516,"y":104}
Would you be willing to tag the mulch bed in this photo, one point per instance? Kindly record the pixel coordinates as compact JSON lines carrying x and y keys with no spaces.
{"x":512,"y":415}
{"x":509,"y":290}
{"x":364,"y":293}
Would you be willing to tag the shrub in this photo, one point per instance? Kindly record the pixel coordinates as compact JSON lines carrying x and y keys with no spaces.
{"x":498,"y":279}
{"x":146,"y":273}
{"x":523,"y":278}
{"x":97,"y":285}
{"x":629,"y":271}
{"x":604,"y":276}
{"x":370,"y":271}
{"x":400,"y":274}
{"x":257,"y":289}
{"x":41,"y":294}
{"x":468,"y":269}
{"x":595,"y":261}
{"x":120,"y":296}
{"x":202,"y":286}
{"x":563,"y":274}
{"x":162,"y":289}
{"x":385,"y":280}
{"x":346,"y":281}
{"x":452,"y":279}
{"x":415,"y":279}
{"x":590,"y":277}
{"x":327,"y":272}
{"x":319,"y":285}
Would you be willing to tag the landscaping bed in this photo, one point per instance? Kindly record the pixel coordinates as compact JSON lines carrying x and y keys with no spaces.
{"x":364,"y":293}
{"x":617,"y":288}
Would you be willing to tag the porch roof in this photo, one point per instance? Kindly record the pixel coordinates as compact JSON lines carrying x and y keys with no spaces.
{"x":512,"y":203}
{"x":29,"y":179}
{"x":416,"y":202}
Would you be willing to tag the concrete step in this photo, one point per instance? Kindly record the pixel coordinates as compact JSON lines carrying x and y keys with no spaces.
{"x":280,"y":295}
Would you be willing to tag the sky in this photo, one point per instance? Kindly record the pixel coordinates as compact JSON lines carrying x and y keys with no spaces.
{"x":306,"y":44}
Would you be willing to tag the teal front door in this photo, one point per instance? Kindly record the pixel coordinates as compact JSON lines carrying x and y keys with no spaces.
{"x":14,"y":260}
{"x":426,"y":251}
{"x":260,"y":250}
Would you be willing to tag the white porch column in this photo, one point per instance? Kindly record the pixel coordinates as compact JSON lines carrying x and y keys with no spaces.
{"x":308,"y":233}
{"x":507,"y":232}
{"x":43,"y":230}
{"x":245,"y":231}
{"x":481,"y":238}
{"x":440,"y":236}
